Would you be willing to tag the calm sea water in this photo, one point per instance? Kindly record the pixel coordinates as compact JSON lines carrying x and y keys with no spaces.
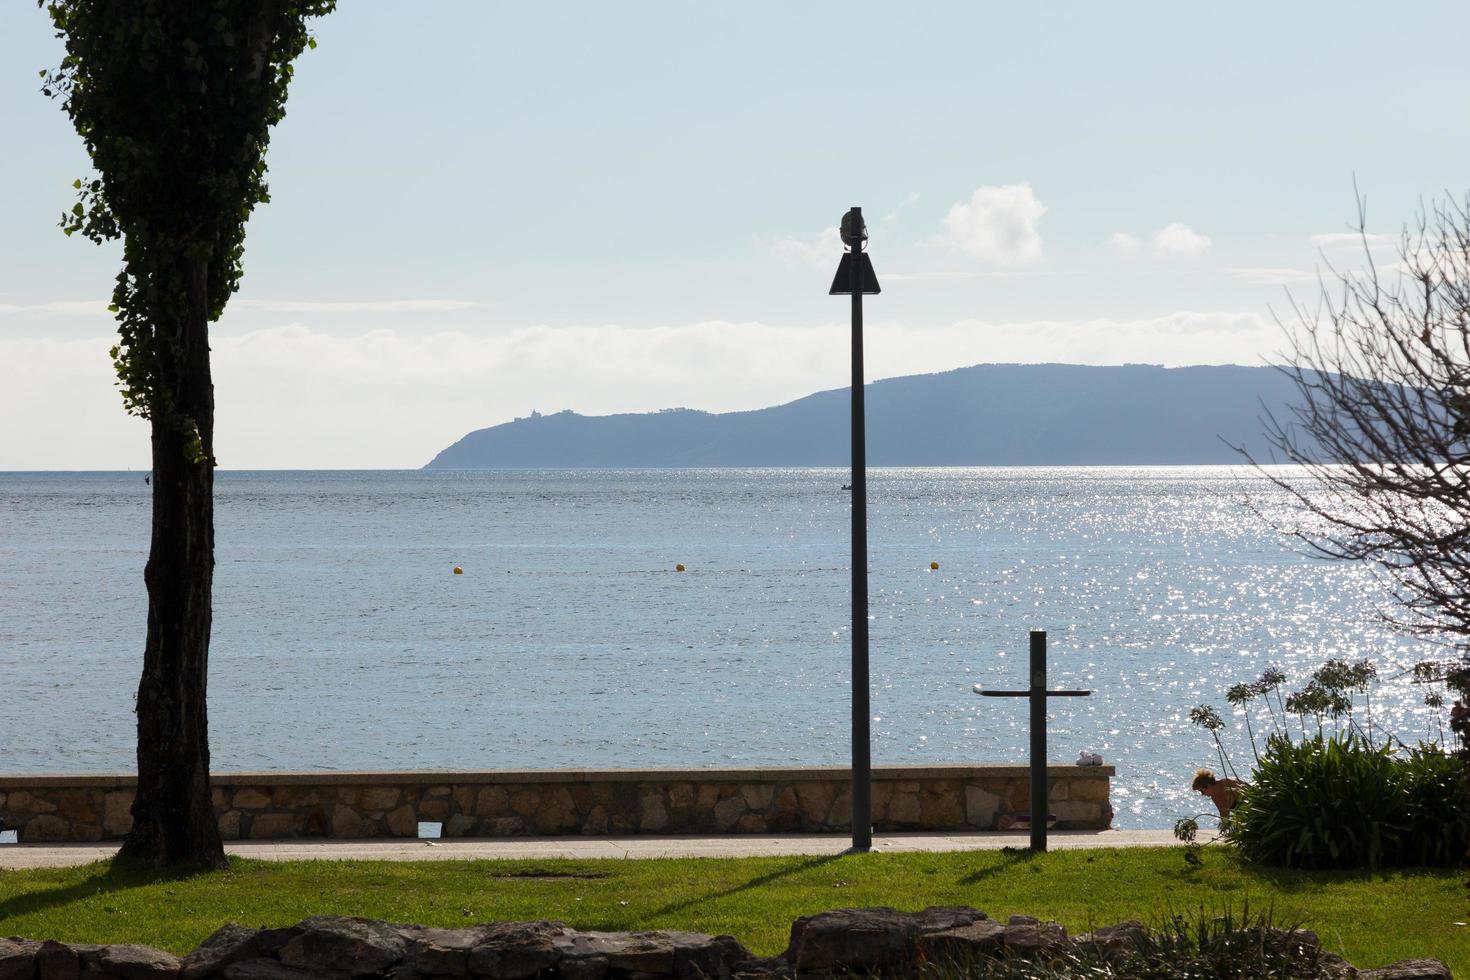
{"x":342,"y":640}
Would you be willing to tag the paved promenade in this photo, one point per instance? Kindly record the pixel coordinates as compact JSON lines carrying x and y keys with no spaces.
{"x":541,"y":848}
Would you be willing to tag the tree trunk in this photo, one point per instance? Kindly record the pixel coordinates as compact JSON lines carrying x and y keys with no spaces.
{"x":174,"y":822}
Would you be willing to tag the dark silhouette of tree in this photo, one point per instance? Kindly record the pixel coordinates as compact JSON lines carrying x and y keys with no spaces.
{"x":1382,"y":430}
{"x":174,"y":100}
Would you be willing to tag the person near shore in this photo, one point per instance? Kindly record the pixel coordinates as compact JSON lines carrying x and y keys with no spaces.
{"x":1224,"y":793}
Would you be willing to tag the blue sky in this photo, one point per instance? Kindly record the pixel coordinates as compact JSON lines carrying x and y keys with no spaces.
{"x":480,"y":209}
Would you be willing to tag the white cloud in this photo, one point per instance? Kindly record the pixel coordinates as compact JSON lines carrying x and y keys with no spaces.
{"x":824,"y":251}
{"x":298,"y":396}
{"x":1351,"y":239}
{"x":998,"y":224}
{"x":89,"y":307}
{"x":366,"y":306}
{"x":1179,"y":239}
{"x":98,"y":307}
{"x":1121,"y":241}
{"x":1265,"y":276}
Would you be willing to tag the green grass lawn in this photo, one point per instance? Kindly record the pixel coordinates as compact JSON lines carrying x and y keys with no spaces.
{"x":1371,"y":919}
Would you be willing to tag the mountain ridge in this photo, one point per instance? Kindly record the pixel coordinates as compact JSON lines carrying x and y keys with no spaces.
{"x":982,"y":415}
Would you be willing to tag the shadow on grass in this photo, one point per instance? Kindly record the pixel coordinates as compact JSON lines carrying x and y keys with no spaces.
{"x":745,"y":886}
{"x":1011,"y":857}
{"x":105,"y":879}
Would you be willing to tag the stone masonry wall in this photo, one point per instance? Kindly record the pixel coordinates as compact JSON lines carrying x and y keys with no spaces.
{"x":271,"y":806}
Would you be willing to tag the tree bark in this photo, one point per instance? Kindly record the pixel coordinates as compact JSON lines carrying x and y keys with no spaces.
{"x":174,"y":823}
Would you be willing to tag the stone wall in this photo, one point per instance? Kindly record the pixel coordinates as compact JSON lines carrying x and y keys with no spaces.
{"x":844,"y":943}
{"x":269,"y":806}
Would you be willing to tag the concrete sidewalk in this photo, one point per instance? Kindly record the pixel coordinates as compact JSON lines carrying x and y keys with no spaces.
{"x":539,"y":848}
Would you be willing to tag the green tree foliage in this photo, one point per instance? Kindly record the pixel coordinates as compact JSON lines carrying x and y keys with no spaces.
{"x":175,"y":100}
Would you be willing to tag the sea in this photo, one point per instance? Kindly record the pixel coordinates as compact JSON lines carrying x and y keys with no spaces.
{"x":344,"y":639}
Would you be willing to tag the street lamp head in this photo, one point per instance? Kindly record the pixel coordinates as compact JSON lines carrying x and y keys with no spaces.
{"x":854,"y":232}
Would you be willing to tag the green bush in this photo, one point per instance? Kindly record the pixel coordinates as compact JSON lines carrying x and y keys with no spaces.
{"x":1339,"y":802}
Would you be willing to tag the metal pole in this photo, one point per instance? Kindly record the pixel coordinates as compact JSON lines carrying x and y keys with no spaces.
{"x":862,"y":756}
{"x":1038,"y":740}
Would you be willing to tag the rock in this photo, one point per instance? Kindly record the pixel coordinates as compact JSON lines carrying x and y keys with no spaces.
{"x":655,"y":814}
{"x":758,"y":796}
{"x":681,"y":796}
{"x":17,"y":959}
{"x":942,"y":807}
{"x":435,"y":809}
{"x":492,"y":801}
{"x":661,"y":953}
{"x":514,"y":950}
{"x":445,"y":952}
{"x":129,"y":962}
{"x":903,"y":808}
{"x":728,"y":812}
{"x":1025,"y":936}
{"x":1095,"y":790}
{"x":57,"y":961}
{"x":330,"y":944}
{"x":981,"y":806}
{"x":962,"y":944}
{"x":273,"y":826}
{"x":403,"y":822}
{"x":264,"y":969}
{"x":814,"y":799}
{"x":250,"y":798}
{"x":1421,"y":969}
{"x":504,"y":826}
{"x":1127,"y":934}
{"x":348,"y":823}
{"x":229,"y":825}
{"x":765,"y":968}
{"x":75,"y":806}
{"x":460,"y":825}
{"x":860,"y":940}
{"x":45,"y":828}
{"x":378,"y":797}
{"x":228,"y":944}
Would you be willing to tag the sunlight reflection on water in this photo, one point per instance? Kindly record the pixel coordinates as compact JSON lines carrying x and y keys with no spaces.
{"x":342,"y":641}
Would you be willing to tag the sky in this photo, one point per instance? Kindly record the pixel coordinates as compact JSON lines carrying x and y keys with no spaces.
{"x":480,"y":209}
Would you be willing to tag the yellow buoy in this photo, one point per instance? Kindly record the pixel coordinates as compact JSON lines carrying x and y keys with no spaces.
{"x":678,"y":568}
{"x":934,"y":566}
{"x":458,"y":570}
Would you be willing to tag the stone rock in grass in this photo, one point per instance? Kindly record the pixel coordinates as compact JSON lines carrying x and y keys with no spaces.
{"x":1421,"y":969}
{"x":962,"y":944}
{"x":659,"y":953}
{"x":441,"y":952}
{"x":1026,"y":936}
{"x":17,"y":959}
{"x":765,"y":968}
{"x":331,"y":945}
{"x":514,"y":950}
{"x":264,"y":969}
{"x":57,"y":961}
{"x":129,"y":962}
{"x":228,"y":944}
{"x":868,"y":940}
{"x":1128,"y":934}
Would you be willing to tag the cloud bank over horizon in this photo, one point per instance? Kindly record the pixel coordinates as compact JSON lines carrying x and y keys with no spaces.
{"x":295,"y":395}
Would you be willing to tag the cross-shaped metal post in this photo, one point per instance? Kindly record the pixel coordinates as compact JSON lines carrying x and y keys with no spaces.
{"x":1038,"y":694}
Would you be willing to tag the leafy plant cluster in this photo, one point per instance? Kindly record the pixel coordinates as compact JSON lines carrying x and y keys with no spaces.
{"x":1183,"y":948}
{"x":1332,"y":789}
{"x":1339,"y":802}
{"x":175,"y":103}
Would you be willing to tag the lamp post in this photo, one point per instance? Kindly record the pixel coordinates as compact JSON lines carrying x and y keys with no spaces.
{"x":855,"y":276}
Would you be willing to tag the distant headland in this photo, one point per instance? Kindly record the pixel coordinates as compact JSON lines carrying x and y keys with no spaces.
{"x":985,"y":415}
